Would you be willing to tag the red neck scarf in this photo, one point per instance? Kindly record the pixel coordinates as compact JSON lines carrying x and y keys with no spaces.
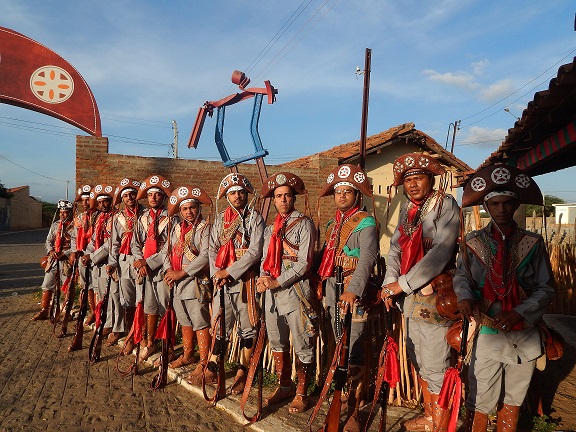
{"x":84,"y":232}
{"x":501,"y":283}
{"x":178,"y":252}
{"x":130,"y":217}
{"x":101,"y":233}
{"x":227,"y":254}
{"x":151,"y":243}
{"x":327,"y":265}
{"x":412,"y":246}
{"x":60,"y":233}
{"x":273,"y":262}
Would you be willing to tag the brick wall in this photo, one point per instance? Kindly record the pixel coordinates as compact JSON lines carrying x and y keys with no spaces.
{"x":94,"y":165}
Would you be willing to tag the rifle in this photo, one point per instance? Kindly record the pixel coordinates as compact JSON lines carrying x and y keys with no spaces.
{"x":339,"y":366}
{"x":219,"y":351}
{"x":101,"y":315}
{"x":256,"y":366}
{"x":77,"y":341}
{"x":167,"y":332}
{"x":69,"y":300}
{"x":136,"y":334}
{"x":387,"y":376}
{"x":55,"y":305}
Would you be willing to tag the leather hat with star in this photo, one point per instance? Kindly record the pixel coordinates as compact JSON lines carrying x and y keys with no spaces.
{"x":100,"y":190}
{"x":282,"y":179}
{"x":83,"y":192}
{"x":182,"y":194}
{"x":125,"y":183}
{"x":499,"y":178}
{"x":347,"y":174}
{"x":154,"y":181}
{"x":415,"y":162}
{"x":234,"y":180}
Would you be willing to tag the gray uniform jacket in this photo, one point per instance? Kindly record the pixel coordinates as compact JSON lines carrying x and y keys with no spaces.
{"x":537,"y":281}
{"x":303,"y":235}
{"x":366,"y":242}
{"x":186,"y":288}
{"x":252,"y":227}
{"x":51,"y":238}
{"x":98,"y":256}
{"x":155,"y":261}
{"x":443,"y":232}
{"x":119,"y":231}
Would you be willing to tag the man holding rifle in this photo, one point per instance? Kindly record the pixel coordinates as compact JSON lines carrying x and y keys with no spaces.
{"x":422,"y":248}
{"x":60,"y":243}
{"x":235,"y":251}
{"x":288,"y":246}
{"x":504,"y":283}
{"x":351,"y":243}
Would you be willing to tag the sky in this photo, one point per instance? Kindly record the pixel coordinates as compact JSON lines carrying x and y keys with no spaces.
{"x":150,"y":63}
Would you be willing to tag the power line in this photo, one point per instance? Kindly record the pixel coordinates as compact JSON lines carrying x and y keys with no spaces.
{"x":33,"y":172}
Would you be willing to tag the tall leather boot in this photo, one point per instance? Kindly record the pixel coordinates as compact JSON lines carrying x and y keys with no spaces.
{"x":204,"y":342}
{"x":188,"y":356}
{"x":44,"y":306}
{"x":440,"y":416}
{"x":129,"y":321}
{"x":507,"y":419}
{"x":245,"y":355}
{"x":423,"y":422}
{"x":476,"y":421}
{"x":92,"y":303}
{"x":285,"y":387}
{"x":150,"y":347}
{"x":356,"y":386}
{"x":300,"y":402}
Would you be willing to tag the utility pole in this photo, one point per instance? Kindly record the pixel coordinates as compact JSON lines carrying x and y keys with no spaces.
{"x":456,"y":126}
{"x":365,"y":101}
{"x":67,"y":181}
{"x":175,"y":144}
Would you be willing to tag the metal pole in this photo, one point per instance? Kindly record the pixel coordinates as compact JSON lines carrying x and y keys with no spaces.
{"x":67,"y":181}
{"x":365,"y":100}
{"x":175,"y":127}
{"x":456,"y":127}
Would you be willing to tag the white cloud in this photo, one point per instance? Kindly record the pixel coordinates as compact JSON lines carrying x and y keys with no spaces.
{"x":497,"y":91}
{"x":479,"y":66}
{"x":458,"y":79}
{"x":482,"y":137}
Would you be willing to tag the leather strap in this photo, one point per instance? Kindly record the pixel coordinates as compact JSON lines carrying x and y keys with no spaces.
{"x":255,"y":362}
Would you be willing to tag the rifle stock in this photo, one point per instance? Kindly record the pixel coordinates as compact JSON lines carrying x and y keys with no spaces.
{"x":220,"y":321}
{"x":96,"y":343}
{"x":55,"y":305}
{"x":79,"y":335}
{"x":69,"y":300}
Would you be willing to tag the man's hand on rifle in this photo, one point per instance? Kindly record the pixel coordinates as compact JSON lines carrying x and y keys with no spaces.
{"x":346,"y":300}
{"x":110,"y":269}
{"x":469,"y":309}
{"x":142,"y":267}
{"x":72,"y":258}
{"x":220,"y":278}
{"x":389,"y":292}
{"x":171,"y":276}
{"x":86,"y":260}
{"x":266,"y":282}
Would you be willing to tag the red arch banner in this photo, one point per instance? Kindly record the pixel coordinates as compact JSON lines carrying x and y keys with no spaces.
{"x":34,"y":77}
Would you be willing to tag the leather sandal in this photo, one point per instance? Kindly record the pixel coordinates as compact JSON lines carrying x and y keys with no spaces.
{"x":299,"y":404}
{"x":129,"y":346}
{"x":195,"y":378}
{"x":112,"y":339}
{"x":146,"y":352}
{"x":280,"y":394}
{"x":421,"y":423}
{"x":352,"y":424}
{"x":239,"y":382}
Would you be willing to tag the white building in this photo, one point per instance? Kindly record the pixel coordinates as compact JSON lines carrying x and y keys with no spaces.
{"x":565,"y":213}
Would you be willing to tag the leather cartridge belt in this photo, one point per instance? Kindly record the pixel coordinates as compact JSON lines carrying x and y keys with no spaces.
{"x":240,"y":252}
{"x":346,"y":262}
{"x":289,"y":258}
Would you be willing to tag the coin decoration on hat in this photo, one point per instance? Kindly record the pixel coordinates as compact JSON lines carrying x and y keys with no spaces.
{"x":100,"y":192}
{"x":501,"y":180}
{"x":185,"y":194}
{"x":155,"y":181}
{"x":234,"y":180}
{"x":282,"y":179}
{"x":415,"y":163}
{"x":126,"y":184}
{"x":83,"y":192}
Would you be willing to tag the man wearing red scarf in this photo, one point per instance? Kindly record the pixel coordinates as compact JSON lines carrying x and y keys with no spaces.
{"x":235,"y":250}
{"x":150,"y":234}
{"x":83,"y":224}
{"x":187,"y":272}
{"x":504,"y":283}
{"x":121,"y":259}
{"x":97,"y":252}
{"x":422,"y":247}
{"x":60,"y":244}
{"x":351,"y":241}
{"x":288,"y":250}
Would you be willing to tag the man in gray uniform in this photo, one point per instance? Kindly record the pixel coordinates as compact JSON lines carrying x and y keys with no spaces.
{"x":152,"y":230}
{"x":423,"y":247}
{"x":60,"y":243}
{"x":121,"y":260}
{"x":97,"y":253}
{"x":187,"y":272}
{"x":504,"y":284}
{"x":352,"y":243}
{"x":288,"y":250}
{"x":235,"y":250}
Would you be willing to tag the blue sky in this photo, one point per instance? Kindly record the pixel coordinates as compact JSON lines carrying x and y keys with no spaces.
{"x":151,"y":62}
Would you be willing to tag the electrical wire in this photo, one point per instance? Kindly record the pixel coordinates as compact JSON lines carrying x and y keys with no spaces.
{"x":33,"y":172}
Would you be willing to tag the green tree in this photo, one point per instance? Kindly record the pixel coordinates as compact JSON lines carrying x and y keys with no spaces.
{"x":4,"y":192}
{"x":549,"y":208}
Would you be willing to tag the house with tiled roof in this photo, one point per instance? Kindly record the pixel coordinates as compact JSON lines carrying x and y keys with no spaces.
{"x":21,"y":211}
{"x":381,"y":151}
